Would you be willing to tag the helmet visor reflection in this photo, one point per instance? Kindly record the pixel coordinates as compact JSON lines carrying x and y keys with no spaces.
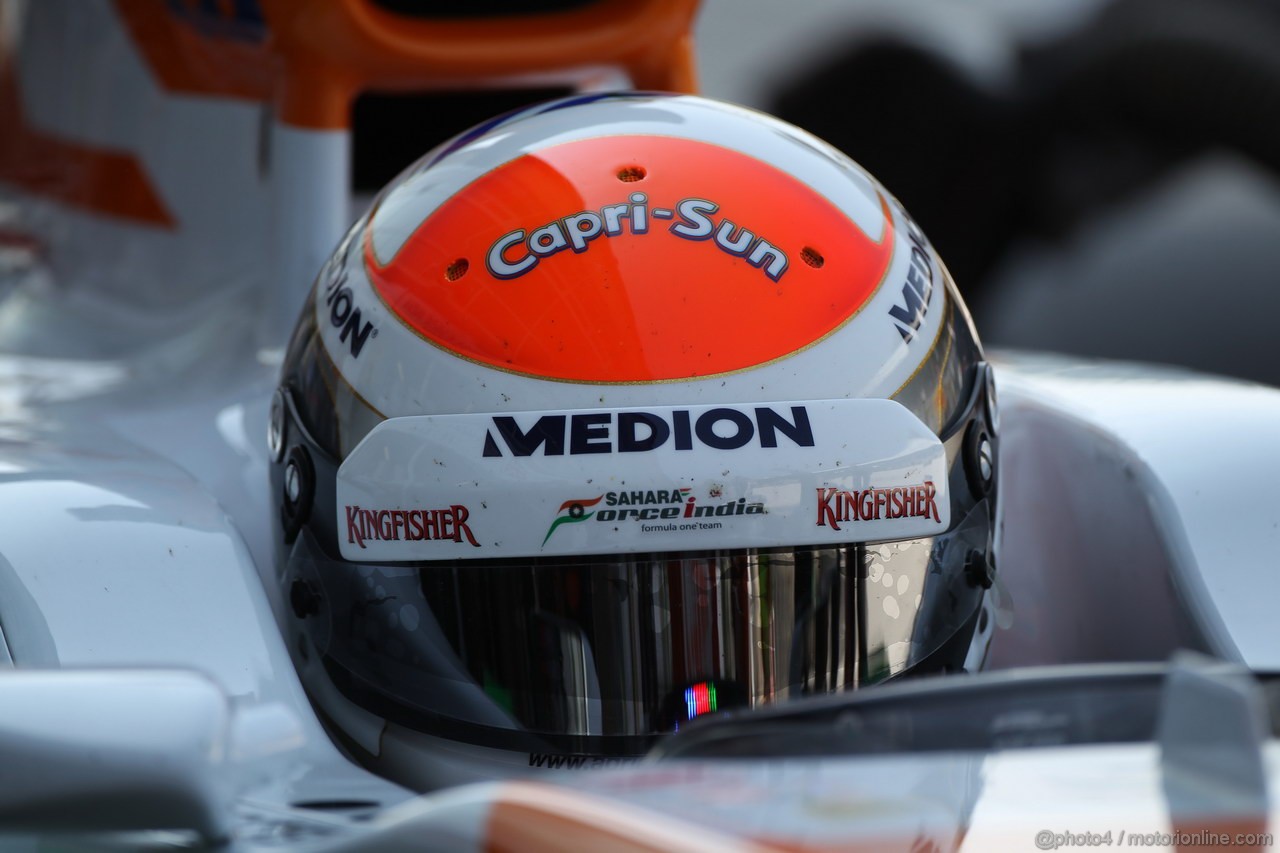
{"x":600,"y":654}
{"x":582,"y":647}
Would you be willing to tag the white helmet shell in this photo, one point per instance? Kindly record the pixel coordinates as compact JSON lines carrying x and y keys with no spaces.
{"x":622,"y":409}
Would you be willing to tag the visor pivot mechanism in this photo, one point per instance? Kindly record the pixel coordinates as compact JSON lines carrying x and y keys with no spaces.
{"x":978,"y":569}
{"x":304,"y":599}
{"x":299,"y":488}
{"x":979,"y":460}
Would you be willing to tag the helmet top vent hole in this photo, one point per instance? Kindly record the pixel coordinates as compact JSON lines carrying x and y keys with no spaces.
{"x":631,"y":174}
{"x":812,"y":257}
{"x":457,"y":269}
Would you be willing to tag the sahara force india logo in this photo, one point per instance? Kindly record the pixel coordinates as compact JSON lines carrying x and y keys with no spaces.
{"x":516,"y":253}
{"x":673,"y":509}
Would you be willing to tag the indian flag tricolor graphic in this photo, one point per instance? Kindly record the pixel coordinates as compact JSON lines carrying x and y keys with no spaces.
{"x":574,"y":509}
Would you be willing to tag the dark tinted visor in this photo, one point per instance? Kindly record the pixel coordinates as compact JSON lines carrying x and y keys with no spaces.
{"x":598,"y":654}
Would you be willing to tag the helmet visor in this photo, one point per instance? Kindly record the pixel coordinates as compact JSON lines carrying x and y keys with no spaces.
{"x":598,"y":654}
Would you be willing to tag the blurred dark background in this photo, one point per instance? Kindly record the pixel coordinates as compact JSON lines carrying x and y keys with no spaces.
{"x":1101,"y":177}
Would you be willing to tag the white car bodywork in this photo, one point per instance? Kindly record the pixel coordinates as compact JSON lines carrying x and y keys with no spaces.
{"x":136,"y":592}
{"x":153,"y":702}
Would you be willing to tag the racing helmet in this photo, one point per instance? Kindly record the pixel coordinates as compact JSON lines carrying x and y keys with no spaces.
{"x":613,"y":412}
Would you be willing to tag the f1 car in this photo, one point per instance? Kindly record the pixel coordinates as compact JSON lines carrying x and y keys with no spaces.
{"x":174,"y":176}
